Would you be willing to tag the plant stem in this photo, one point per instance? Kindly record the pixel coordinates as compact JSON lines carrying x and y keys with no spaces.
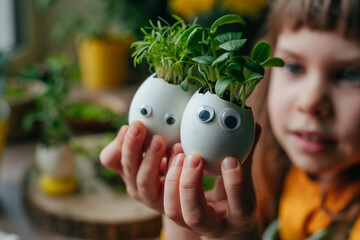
{"x":243,"y":95}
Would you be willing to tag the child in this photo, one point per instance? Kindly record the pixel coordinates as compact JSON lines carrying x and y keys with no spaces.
{"x":306,"y":165}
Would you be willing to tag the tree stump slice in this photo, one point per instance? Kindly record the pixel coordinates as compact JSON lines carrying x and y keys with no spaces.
{"x":95,"y":211}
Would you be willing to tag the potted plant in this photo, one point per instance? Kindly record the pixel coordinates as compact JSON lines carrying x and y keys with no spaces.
{"x":216,"y":121}
{"x":103,"y":31}
{"x":53,"y":155}
{"x":160,"y":101}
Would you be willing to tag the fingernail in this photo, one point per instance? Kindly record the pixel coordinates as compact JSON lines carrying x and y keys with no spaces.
{"x":230,"y":163}
{"x":192,"y":161}
{"x":134,"y":130}
{"x":179,"y":160}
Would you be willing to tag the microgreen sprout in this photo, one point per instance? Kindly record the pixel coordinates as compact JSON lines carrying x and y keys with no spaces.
{"x":219,"y":64}
{"x":162,"y":49}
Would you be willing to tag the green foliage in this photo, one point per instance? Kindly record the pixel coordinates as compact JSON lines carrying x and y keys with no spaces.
{"x":3,"y":60}
{"x":51,"y":107}
{"x":162,"y":48}
{"x":90,"y":112}
{"x":220,"y":67}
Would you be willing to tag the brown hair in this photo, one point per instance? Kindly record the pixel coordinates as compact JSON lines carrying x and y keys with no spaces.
{"x":270,"y":164}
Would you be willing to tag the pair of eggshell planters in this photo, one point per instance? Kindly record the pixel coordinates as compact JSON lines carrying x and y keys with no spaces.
{"x":206,"y":124}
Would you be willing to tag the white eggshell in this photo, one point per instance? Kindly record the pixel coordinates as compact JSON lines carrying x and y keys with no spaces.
{"x":164,"y":100}
{"x":211,"y":140}
{"x":57,"y":161}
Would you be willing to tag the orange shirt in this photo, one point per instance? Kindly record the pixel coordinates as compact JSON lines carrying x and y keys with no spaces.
{"x":300,"y":213}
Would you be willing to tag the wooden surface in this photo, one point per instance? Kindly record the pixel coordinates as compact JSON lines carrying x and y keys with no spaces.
{"x":96,"y":210}
{"x":16,"y":162}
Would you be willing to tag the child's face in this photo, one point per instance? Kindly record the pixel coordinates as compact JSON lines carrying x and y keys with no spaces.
{"x":314,"y":100}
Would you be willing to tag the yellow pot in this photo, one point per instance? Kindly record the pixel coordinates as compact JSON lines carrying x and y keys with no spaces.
{"x":4,"y":123}
{"x":104,"y":63}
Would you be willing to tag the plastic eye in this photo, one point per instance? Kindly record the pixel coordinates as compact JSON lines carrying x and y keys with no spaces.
{"x":169,"y":119}
{"x":145,"y":110}
{"x":230,"y":119}
{"x":205,"y":113}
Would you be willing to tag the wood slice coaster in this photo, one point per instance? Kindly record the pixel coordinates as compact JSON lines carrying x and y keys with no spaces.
{"x":94,"y":212}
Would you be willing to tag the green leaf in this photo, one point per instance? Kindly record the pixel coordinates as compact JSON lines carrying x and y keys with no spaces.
{"x":237,"y":59}
{"x":233,"y":45}
{"x":187,"y":32}
{"x":227,"y":19}
{"x":222,"y":84}
{"x":253,"y":76}
{"x":255,"y":67}
{"x":206,"y":60}
{"x":225,"y":37}
{"x":273,"y":62}
{"x":194,"y":38}
{"x":261,"y":52}
{"x":236,"y":74}
{"x":184,"y":85}
{"x":222,"y":58}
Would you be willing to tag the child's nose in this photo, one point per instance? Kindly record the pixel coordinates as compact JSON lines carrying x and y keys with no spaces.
{"x":314,"y":97}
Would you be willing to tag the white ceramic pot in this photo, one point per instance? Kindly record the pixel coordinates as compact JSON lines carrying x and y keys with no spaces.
{"x":57,"y":161}
{"x":214,"y":128}
{"x":160,"y":106}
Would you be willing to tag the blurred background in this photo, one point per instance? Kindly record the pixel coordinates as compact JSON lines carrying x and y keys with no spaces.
{"x":66,"y":82}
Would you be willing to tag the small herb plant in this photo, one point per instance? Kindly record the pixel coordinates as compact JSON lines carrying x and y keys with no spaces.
{"x":163,"y":49}
{"x":220,"y":67}
{"x":51,"y":107}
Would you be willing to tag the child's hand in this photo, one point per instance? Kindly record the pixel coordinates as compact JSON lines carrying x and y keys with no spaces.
{"x":227,"y":211}
{"x":141,"y":169}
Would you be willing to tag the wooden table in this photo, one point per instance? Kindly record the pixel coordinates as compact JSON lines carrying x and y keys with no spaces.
{"x":16,"y":161}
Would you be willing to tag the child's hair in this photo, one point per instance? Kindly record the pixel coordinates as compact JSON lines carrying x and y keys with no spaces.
{"x":270,"y":164}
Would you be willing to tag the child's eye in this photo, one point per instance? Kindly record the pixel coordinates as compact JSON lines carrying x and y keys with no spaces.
{"x":350,"y":76}
{"x":294,"y":68}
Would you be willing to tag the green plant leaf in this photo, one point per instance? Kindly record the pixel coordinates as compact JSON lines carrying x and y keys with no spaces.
{"x":187,"y":32}
{"x":255,"y":67}
{"x":261,"y":52}
{"x":227,"y":19}
{"x":238,"y":59}
{"x":184,"y":85}
{"x":194,"y":38}
{"x":206,"y":60}
{"x":235,"y":73}
{"x":225,"y":37}
{"x":273,"y":62}
{"x":221,"y":85}
{"x":222,"y":58}
{"x":253,"y":76}
{"x":233,"y":45}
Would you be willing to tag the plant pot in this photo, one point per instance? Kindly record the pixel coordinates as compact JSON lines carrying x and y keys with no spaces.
{"x":214,"y":129}
{"x":160,"y":106}
{"x":56,"y":161}
{"x":22,"y":103}
{"x":104,"y":63}
{"x":4,"y":124}
{"x":56,"y":165}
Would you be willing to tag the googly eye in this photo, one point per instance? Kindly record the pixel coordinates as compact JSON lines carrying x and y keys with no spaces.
{"x":205,"y":113}
{"x":170,"y":119}
{"x":145,"y":110}
{"x":230,"y":119}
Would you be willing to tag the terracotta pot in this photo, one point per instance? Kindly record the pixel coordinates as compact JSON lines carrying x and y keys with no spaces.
{"x":4,"y":124}
{"x":104,"y":63}
{"x":160,"y":105}
{"x":56,"y":161}
{"x":214,"y":128}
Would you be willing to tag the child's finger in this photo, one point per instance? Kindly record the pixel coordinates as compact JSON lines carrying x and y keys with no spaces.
{"x":195,"y":210}
{"x":175,"y":150}
{"x":132,"y":152}
{"x":110,"y":156}
{"x":240,"y":199}
{"x":148,"y":178}
{"x":172,"y":206}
